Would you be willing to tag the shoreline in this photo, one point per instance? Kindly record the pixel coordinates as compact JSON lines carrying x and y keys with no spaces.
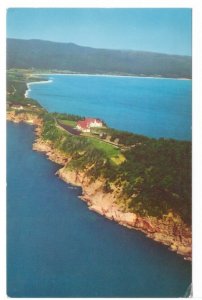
{"x":165,"y":231}
{"x":169,"y":231}
{"x":35,"y":82}
{"x":110,"y":75}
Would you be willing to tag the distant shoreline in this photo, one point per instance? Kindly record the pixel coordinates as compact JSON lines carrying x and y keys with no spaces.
{"x":109,"y":75}
{"x":35,"y":82}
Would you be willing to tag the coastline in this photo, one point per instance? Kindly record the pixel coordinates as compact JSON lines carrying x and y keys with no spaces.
{"x":35,"y":82}
{"x":168,"y":231}
{"x":110,"y":75}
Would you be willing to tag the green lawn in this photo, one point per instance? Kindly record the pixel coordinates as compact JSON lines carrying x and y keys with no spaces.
{"x":112,"y":152}
{"x":68,"y":122}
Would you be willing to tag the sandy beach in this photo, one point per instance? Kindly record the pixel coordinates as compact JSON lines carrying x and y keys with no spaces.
{"x":35,"y":82}
{"x":110,"y":75}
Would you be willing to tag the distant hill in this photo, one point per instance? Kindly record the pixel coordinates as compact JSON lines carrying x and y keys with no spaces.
{"x":68,"y":56}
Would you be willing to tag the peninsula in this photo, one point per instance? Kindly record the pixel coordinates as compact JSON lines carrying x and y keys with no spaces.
{"x":139,"y":182}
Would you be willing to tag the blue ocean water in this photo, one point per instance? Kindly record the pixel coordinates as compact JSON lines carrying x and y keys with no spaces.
{"x":148,"y":106}
{"x":56,"y":247}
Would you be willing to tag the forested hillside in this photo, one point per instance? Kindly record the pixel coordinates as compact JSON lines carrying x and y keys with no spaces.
{"x":155,"y":176}
{"x":70,"y":57}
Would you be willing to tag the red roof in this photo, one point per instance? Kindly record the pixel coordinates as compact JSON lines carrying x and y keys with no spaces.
{"x":85,"y":124}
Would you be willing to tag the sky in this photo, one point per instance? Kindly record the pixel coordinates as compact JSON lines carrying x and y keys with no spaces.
{"x":157,"y":30}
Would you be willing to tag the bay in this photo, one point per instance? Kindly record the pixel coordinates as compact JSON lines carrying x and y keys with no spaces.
{"x":149,"y":106}
{"x":56,"y":247}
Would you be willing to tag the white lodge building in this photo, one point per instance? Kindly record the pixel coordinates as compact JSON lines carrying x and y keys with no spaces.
{"x":86,"y":124}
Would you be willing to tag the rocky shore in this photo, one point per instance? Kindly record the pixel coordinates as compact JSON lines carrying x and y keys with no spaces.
{"x":170,"y":230}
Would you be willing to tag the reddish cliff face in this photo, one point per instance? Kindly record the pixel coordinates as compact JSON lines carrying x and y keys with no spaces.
{"x":28,"y":118}
{"x":169,"y":230}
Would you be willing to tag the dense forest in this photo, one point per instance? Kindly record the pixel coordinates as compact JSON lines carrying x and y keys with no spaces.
{"x":156,"y":174}
{"x":154,"y":177}
{"x":38,"y":54}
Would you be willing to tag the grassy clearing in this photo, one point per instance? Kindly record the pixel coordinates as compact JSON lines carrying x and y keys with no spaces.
{"x":118,"y":159}
{"x":68,"y":122}
{"x":112,"y":152}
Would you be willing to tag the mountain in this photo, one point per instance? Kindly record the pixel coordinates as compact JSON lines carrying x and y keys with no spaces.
{"x":48,"y":55}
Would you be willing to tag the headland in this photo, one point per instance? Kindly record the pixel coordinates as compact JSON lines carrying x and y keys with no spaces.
{"x":108,"y":174}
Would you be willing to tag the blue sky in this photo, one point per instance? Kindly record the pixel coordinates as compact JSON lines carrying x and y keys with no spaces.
{"x":157,"y":30}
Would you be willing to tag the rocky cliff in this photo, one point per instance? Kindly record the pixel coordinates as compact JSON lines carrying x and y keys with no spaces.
{"x":169,"y":230}
{"x":29,"y":118}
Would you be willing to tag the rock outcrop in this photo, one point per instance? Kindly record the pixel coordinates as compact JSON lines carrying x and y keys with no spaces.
{"x":25,"y":117}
